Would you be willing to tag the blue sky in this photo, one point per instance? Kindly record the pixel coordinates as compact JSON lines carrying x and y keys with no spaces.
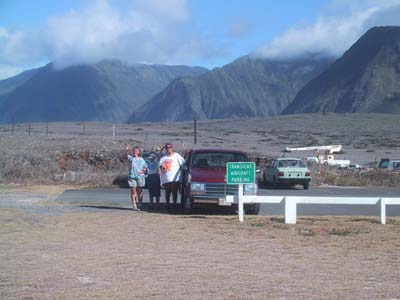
{"x":209,"y":33}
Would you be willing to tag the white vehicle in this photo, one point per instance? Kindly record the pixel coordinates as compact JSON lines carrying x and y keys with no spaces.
{"x":330,"y":148}
{"x":331,"y":161}
{"x":320,"y":158}
{"x":311,"y":159}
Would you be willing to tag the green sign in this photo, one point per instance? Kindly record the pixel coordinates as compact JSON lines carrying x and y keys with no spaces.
{"x":240,"y":172}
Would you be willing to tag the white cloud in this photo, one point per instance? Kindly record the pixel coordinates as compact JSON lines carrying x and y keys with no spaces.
{"x":7,"y":71}
{"x":159,"y":31}
{"x":335,"y":33}
{"x":18,"y":47}
{"x":148,"y":31}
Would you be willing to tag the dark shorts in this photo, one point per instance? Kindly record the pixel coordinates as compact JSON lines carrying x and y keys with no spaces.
{"x":154,"y":185}
{"x":171,"y":186}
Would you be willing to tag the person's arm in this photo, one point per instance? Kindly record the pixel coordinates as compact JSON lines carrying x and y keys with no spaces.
{"x":127,"y":149}
{"x":160,"y":154}
{"x":145,"y":167}
{"x":182,"y":161}
{"x":159,"y":167}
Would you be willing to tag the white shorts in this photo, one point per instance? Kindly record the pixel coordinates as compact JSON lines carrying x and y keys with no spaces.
{"x":133,"y":182}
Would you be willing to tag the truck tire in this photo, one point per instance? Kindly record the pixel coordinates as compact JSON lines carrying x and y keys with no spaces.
{"x":305,"y":186}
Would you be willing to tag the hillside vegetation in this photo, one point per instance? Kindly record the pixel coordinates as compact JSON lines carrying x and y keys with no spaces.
{"x":247,"y":87}
{"x":365,"y":79}
{"x":94,"y":158}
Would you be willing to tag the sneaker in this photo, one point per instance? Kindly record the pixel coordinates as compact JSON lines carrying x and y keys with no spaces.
{"x":135,"y":208}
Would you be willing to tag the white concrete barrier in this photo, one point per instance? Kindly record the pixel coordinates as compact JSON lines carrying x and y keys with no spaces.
{"x":291,"y":203}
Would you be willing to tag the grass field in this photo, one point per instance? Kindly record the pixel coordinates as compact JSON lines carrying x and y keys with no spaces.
{"x":59,"y":252}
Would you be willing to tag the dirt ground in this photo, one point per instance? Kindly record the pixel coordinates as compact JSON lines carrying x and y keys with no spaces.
{"x":49,"y":250}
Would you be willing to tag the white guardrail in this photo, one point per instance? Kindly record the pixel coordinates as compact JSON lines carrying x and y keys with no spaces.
{"x":291,"y":202}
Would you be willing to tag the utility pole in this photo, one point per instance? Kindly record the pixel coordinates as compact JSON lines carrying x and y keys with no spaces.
{"x":195,"y":131}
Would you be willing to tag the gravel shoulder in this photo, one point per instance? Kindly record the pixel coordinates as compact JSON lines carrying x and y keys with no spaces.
{"x":121,"y":254}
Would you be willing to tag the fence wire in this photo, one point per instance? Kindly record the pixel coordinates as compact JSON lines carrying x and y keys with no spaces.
{"x":181,"y":133}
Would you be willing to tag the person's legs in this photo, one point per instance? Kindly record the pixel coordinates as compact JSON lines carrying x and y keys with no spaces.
{"x":157,"y":190}
{"x":133,"y":184}
{"x":151,"y":201}
{"x":133,"y":197}
{"x":139,"y":192}
{"x":175,"y":192}
{"x":167,"y":187}
{"x":153,"y":183}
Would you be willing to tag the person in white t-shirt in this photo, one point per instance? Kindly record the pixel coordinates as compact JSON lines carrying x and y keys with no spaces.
{"x":170,"y":172}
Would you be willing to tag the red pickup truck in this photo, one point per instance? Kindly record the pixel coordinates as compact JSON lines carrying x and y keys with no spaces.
{"x":204,"y":179}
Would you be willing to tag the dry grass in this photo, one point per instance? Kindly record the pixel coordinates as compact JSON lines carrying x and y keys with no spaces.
{"x":127,"y":255}
{"x":96,"y":159}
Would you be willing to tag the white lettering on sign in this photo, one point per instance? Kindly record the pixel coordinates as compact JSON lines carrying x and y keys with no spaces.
{"x":241,"y":166}
{"x":240,"y":172}
{"x":236,"y":173}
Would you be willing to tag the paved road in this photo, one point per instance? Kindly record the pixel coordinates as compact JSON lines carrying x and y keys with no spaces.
{"x":120,"y":199}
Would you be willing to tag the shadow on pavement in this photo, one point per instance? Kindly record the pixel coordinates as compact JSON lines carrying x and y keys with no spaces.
{"x":105,"y":207}
{"x":263,"y":186}
{"x":177,"y":210}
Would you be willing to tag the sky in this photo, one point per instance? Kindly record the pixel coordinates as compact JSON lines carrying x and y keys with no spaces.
{"x":208,"y":33}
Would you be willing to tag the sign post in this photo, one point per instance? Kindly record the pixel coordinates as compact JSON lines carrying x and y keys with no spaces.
{"x":240,"y":173}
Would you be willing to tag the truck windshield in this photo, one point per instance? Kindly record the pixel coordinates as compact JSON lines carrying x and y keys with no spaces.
{"x":216,"y":159}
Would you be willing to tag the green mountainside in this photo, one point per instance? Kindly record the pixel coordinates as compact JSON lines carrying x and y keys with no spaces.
{"x":247,"y":87}
{"x":365,"y":79}
{"x":107,"y":91}
{"x":10,"y":84}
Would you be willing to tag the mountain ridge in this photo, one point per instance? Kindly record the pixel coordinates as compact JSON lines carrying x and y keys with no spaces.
{"x":365,"y":79}
{"x":247,"y":87}
{"x":107,"y":91}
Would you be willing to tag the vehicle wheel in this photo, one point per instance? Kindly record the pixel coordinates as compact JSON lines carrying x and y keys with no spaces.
{"x":252,"y":209}
{"x":265,"y":179}
{"x":306,"y":186}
